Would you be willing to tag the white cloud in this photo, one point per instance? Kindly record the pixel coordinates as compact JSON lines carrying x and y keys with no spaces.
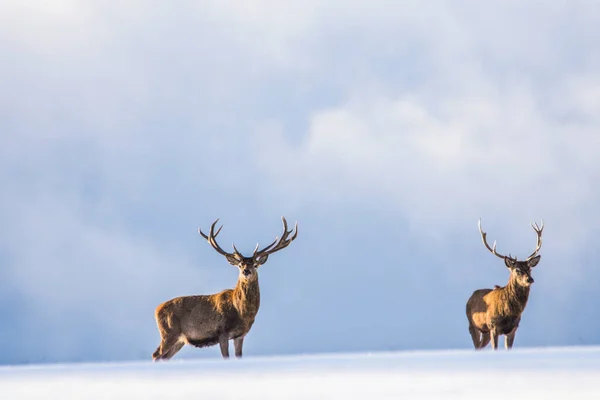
{"x":446,"y":161}
{"x":77,"y":269}
{"x":127,"y":124}
{"x":479,"y":131}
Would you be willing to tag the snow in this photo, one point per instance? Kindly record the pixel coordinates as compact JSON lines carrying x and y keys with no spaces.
{"x":551,"y":373}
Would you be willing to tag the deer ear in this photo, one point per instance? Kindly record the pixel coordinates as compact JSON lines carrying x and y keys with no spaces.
{"x":261,"y":260}
{"x":533,"y":262}
{"x":232,"y":260}
{"x":510,"y":263}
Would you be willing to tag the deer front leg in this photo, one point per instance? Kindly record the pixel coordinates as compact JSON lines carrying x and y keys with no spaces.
{"x":224,"y":344}
{"x":494,"y":335}
{"x":238,"y":343}
{"x":510,"y":339}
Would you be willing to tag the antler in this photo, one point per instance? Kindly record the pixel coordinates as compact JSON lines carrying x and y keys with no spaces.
{"x":484,"y":239}
{"x":277,"y":244}
{"x":538,"y":230}
{"x":213,"y":242}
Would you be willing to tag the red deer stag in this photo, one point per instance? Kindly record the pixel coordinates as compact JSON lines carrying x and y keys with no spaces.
{"x":494,"y":312}
{"x":206,"y":320}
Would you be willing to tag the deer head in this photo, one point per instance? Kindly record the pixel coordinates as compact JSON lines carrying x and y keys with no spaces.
{"x":249,"y":265}
{"x":520,"y":270}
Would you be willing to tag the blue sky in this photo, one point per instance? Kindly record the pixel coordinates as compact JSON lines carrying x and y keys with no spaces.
{"x":385,"y":128}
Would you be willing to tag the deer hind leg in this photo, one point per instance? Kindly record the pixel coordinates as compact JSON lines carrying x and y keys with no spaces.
{"x":165,"y":347}
{"x":173,"y":350}
{"x":485,"y":340}
{"x":475,"y":336}
{"x":238,"y":343}
{"x":170,"y":333}
{"x":224,"y":344}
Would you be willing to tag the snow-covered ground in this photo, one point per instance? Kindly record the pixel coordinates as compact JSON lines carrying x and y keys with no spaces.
{"x":557,"y":373}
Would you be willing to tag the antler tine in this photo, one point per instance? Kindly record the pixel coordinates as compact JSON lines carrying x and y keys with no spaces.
{"x":279,"y":243}
{"x":211,"y":238}
{"x":538,"y":230}
{"x":236,"y":250}
{"x":256,"y":251}
{"x":485,"y":243}
{"x":296,"y":231}
{"x":212,"y":226}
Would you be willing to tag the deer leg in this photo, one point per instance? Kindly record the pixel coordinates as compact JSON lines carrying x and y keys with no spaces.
{"x":156,"y":353}
{"x":165,"y":347}
{"x":510,"y":339}
{"x":475,"y":336}
{"x":170,"y":333}
{"x":238,"y":343}
{"x":494,"y":334}
{"x":485,"y":340}
{"x":173,"y":350}
{"x":224,"y":344}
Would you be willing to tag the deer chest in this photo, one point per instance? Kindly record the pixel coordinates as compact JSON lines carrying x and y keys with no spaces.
{"x":506,"y":324}
{"x":241,"y":328}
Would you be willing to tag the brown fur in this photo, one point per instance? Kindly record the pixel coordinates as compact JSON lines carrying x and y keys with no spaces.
{"x":226,"y":315}
{"x":207,"y":320}
{"x":494,"y":312}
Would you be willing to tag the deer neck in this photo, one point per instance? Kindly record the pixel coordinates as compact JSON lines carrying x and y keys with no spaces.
{"x":246,"y":297}
{"x":517,"y":295}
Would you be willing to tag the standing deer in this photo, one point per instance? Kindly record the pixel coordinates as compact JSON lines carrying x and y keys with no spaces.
{"x":494,"y":312}
{"x":206,"y":320}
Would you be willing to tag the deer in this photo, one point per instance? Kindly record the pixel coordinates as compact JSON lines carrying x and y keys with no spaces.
{"x":494,"y":312}
{"x":207,"y":320}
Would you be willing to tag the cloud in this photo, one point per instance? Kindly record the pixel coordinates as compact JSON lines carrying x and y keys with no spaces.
{"x":447,"y":160}
{"x":479,"y":132}
{"x":385,"y":128}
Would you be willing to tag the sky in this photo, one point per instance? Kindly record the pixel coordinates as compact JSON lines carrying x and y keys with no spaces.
{"x":385,"y":128}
